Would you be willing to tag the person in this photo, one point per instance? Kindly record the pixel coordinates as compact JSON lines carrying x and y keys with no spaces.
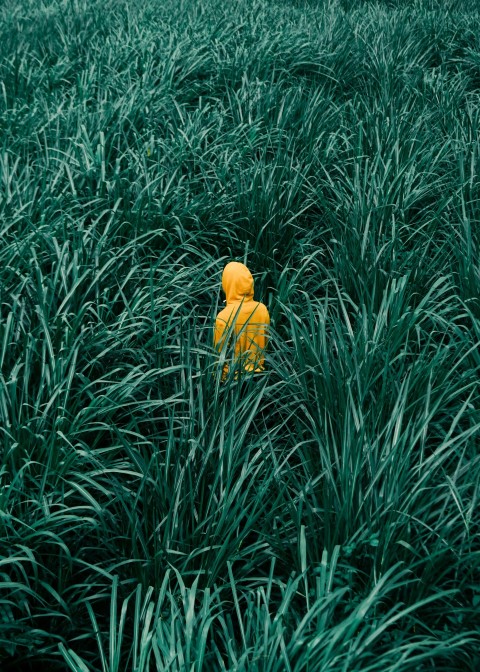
{"x":243,"y":323}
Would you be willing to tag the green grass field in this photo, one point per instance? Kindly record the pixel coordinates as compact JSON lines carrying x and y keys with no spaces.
{"x":325,"y":517}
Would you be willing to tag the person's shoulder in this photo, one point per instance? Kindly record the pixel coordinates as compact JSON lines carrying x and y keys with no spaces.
{"x":263,"y":310}
{"x":225,"y":314}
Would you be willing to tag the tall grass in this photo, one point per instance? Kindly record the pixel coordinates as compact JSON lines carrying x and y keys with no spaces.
{"x":326,"y":516}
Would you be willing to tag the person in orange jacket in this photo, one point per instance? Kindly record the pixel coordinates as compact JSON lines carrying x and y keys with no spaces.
{"x":243,"y":323}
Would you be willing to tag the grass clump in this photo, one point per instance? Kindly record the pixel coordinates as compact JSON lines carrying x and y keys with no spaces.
{"x":326,"y":516}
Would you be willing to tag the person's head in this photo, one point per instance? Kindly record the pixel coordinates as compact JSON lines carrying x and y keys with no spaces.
{"x":237,"y":282}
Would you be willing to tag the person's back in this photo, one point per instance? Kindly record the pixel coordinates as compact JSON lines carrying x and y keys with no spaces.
{"x":243,"y":322}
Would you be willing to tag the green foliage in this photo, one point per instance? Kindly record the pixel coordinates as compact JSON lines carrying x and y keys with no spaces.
{"x":325,"y":515}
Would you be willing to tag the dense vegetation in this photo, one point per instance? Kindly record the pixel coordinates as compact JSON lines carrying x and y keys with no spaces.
{"x":325,"y":517}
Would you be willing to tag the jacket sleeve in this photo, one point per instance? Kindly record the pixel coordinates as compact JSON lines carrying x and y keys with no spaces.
{"x":262,"y":330}
{"x":219,"y":334}
{"x":257,"y":338}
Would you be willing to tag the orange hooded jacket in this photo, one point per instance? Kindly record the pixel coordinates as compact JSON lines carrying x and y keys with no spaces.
{"x":243,"y":322}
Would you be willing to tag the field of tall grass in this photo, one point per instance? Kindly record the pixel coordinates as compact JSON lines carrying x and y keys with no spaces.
{"x":325,"y":517}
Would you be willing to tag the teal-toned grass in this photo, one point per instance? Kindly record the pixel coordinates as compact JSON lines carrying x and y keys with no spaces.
{"x":323,"y":516}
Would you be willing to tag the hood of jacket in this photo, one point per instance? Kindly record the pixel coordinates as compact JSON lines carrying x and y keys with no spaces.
{"x":237,"y":282}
